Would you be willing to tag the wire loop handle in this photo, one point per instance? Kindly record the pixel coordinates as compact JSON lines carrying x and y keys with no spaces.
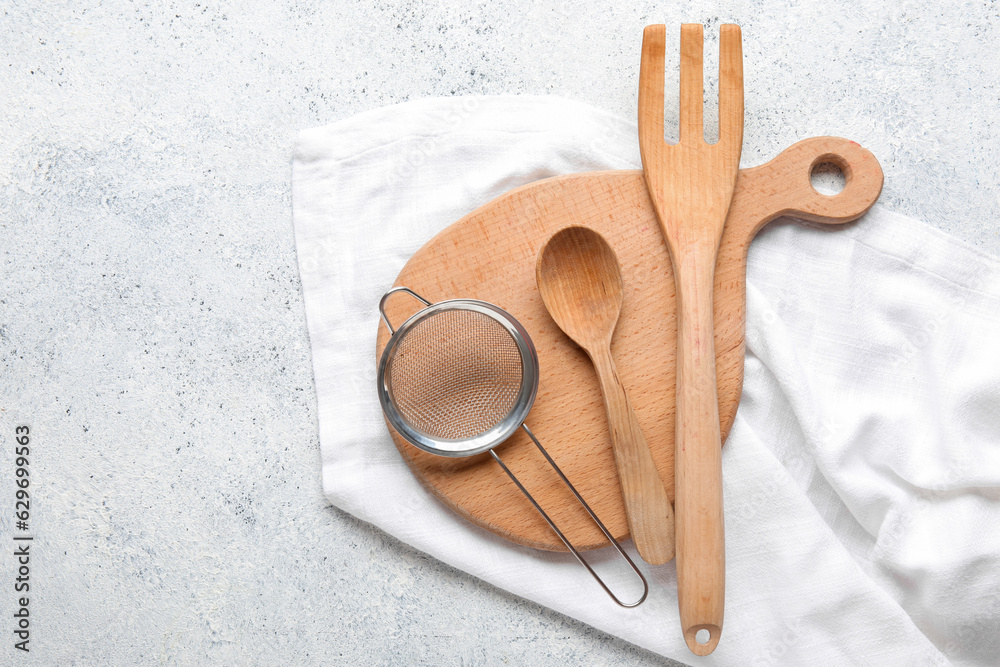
{"x":565,"y":540}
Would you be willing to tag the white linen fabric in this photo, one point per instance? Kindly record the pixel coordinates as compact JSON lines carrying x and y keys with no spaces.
{"x":862,"y":474}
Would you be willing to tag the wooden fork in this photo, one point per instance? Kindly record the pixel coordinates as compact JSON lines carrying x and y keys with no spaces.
{"x":691,"y":185}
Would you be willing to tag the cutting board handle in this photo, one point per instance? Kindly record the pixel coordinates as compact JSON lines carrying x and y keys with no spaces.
{"x":783,"y":186}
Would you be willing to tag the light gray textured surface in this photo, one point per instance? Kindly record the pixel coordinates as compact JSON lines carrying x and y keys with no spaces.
{"x":152,"y":333}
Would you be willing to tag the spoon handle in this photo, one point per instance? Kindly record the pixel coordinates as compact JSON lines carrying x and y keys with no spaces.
{"x":647,"y":506}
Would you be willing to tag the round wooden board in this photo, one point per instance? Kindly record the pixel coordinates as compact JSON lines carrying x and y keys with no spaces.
{"x":491,"y":255}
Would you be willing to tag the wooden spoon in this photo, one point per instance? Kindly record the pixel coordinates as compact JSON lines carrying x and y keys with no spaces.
{"x":581,"y":285}
{"x":691,"y":185}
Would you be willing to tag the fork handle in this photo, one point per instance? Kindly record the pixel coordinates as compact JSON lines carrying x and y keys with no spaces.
{"x":700,"y":541}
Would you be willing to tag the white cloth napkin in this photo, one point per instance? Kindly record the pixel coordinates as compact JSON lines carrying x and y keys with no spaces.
{"x":862,"y":475}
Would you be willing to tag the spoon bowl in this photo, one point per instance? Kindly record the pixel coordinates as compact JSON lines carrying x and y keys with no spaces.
{"x":581,"y":284}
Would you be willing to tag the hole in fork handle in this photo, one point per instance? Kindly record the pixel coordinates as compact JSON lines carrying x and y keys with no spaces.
{"x":702,"y":639}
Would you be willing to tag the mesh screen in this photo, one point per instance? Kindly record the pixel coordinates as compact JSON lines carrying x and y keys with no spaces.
{"x":455,"y":374}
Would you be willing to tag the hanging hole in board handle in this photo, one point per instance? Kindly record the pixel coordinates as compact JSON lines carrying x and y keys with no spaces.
{"x":381,"y":304}
{"x":828,"y":177}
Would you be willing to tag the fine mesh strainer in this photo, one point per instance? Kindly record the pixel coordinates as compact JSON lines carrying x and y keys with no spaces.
{"x":457,"y":379}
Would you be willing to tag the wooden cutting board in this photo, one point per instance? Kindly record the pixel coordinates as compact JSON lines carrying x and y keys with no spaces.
{"x":490,"y":254}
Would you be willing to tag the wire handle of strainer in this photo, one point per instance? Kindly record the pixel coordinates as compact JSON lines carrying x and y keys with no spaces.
{"x":394,"y":416}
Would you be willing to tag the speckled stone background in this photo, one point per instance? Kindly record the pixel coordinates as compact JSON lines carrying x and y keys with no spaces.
{"x":152,"y":332}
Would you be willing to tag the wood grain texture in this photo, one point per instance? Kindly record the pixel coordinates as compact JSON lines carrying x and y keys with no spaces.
{"x":691,"y":186}
{"x":490,"y":254}
{"x":580,"y":282}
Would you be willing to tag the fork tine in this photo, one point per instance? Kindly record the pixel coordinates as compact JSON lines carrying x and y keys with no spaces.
{"x":651,"y":86}
{"x":692,"y":84}
{"x":731,"y":86}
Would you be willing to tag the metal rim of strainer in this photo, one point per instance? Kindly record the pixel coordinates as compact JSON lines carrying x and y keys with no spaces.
{"x":503,"y":429}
